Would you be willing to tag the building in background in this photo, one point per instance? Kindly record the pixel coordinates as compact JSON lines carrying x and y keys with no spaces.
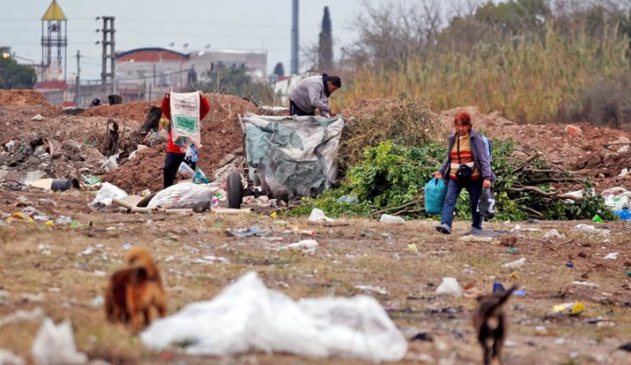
{"x":52,"y":72}
{"x":147,"y":73}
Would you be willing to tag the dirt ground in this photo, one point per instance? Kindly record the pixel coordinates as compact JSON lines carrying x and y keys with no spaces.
{"x":50,"y":267}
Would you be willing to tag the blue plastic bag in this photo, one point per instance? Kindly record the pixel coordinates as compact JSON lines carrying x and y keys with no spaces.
{"x":435,"y":191}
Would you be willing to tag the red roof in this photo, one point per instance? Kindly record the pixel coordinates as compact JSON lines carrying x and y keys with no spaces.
{"x":151,"y":55}
{"x":52,"y":85}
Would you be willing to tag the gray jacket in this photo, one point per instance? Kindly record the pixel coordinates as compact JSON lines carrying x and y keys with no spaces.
{"x":309,"y":95}
{"x":478,"y":150}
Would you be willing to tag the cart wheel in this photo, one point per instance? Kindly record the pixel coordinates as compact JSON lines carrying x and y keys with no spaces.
{"x":235,"y":190}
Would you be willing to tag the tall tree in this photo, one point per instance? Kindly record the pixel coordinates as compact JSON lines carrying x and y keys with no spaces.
{"x":279,"y":70}
{"x":16,"y":76}
{"x":325,"y":54}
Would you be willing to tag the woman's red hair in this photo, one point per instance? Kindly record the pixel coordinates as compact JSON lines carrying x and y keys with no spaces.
{"x":463,"y":118}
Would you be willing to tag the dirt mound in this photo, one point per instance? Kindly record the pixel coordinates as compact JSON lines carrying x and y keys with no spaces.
{"x":221,"y":135}
{"x":21,"y":98}
{"x":133,"y":111}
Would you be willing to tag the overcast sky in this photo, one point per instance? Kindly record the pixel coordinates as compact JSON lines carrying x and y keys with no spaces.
{"x":224,"y":24}
{"x":231,"y":24}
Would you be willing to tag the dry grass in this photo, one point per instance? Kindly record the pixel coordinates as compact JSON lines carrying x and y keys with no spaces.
{"x":528,"y":81}
{"x":361,"y":253}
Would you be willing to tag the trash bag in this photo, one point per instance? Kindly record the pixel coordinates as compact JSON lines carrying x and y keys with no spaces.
{"x":182,"y":196}
{"x":247,"y":316}
{"x":435,"y":191}
{"x":486,"y":204}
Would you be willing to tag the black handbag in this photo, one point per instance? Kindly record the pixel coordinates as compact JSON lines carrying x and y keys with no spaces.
{"x":464,"y":172}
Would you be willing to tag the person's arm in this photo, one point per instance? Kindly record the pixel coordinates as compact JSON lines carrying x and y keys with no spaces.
{"x":166,"y":106}
{"x":204,"y":107}
{"x":314,"y":90}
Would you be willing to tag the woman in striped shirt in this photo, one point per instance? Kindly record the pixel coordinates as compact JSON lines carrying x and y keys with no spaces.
{"x":467,"y":166}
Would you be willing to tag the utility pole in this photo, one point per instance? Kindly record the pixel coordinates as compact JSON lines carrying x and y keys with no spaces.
{"x":108,"y":29}
{"x":295,"y":67}
{"x":77,"y":81}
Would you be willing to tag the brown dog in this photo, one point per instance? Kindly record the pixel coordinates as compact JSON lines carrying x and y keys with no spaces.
{"x":134,"y":290}
{"x":489,"y":321}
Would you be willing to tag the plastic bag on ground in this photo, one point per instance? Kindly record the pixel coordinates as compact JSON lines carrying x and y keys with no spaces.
{"x":449,"y":286}
{"x":107,"y":193}
{"x":247,"y":316}
{"x":616,"y":198}
{"x":317,"y":215}
{"x":9,"y":358}
{"x":435,"y":191}
{"x":54,"y":345}
{"x":391,"y":219}
{"x":486,"y":204}
{"x":180,"y":196}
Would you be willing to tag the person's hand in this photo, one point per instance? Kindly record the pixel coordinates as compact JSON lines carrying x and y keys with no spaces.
{"x":437,"y":175}
{"x":486,"y":183}
{"x":332,"y":113}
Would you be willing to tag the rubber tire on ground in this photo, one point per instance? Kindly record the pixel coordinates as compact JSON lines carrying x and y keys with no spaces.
{"x":235,"y":190}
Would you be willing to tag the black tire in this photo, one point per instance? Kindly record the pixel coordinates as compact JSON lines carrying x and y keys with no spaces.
{"x":235,"y":190}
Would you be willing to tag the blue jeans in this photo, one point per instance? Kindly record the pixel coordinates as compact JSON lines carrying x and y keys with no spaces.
{"x":474,"y":187}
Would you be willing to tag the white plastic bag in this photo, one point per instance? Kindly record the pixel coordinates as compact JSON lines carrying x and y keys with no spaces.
{"x":317,"y":215}
{"x":449,"y":286}
{"x":107,"y":193}
{"x":616,"y":198}
{"x":247,"y":316}
{"x":185,"y":123}
{"x":183,"y":195}
{"x":54,"y":345}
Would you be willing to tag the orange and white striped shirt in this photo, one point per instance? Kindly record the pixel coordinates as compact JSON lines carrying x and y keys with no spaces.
{"x":466,"y":157}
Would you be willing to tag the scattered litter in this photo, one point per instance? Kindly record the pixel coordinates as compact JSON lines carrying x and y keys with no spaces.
{"x":126,"y":246}
{"x":449,"y":286}
{"x":553,"y":233}
{"x":63,"y":220}
{"x":44,"y":249}
{"x":541,"y":331}
{"x":9,"y":358}
{"x":309,"y":233}
{"x":570,"y":264}
{"x":252,"y":231}
{"x":513,"y":250}
{"x":423,"y":336}
{"x":54,"y":345}
{"x":308,"y":246}
{"x":38,"y":118}
{"x":374,"y":289}
{"x":33,"y":298}
{"x":591,"y":229}
{"x":248,"y":316}
{"x":87,"y":251}
{"x":472,"y":238}
{"x":573,"y":309}
{"x":182,"y":196}
{"x":612,"y":256}
{"x":585,"y":283}
{"x":317,"y":215}
{"x":98,"y":301}
{"x":412,"y":247}
{"x":498,"y":288}
{"x":106,"y":194}
{"x":515,"y":264}
{"x":597,"y":219}
{"x":20,"y":315}
{"x":348,"y":199}
{"x":514,"y":275}
{"x":391,"y":219}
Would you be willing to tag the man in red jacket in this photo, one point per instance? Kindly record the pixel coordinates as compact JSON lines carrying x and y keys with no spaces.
{"x":175,"y":154}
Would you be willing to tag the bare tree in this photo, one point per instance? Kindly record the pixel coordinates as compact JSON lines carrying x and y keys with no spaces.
{"x":395,"y":31}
